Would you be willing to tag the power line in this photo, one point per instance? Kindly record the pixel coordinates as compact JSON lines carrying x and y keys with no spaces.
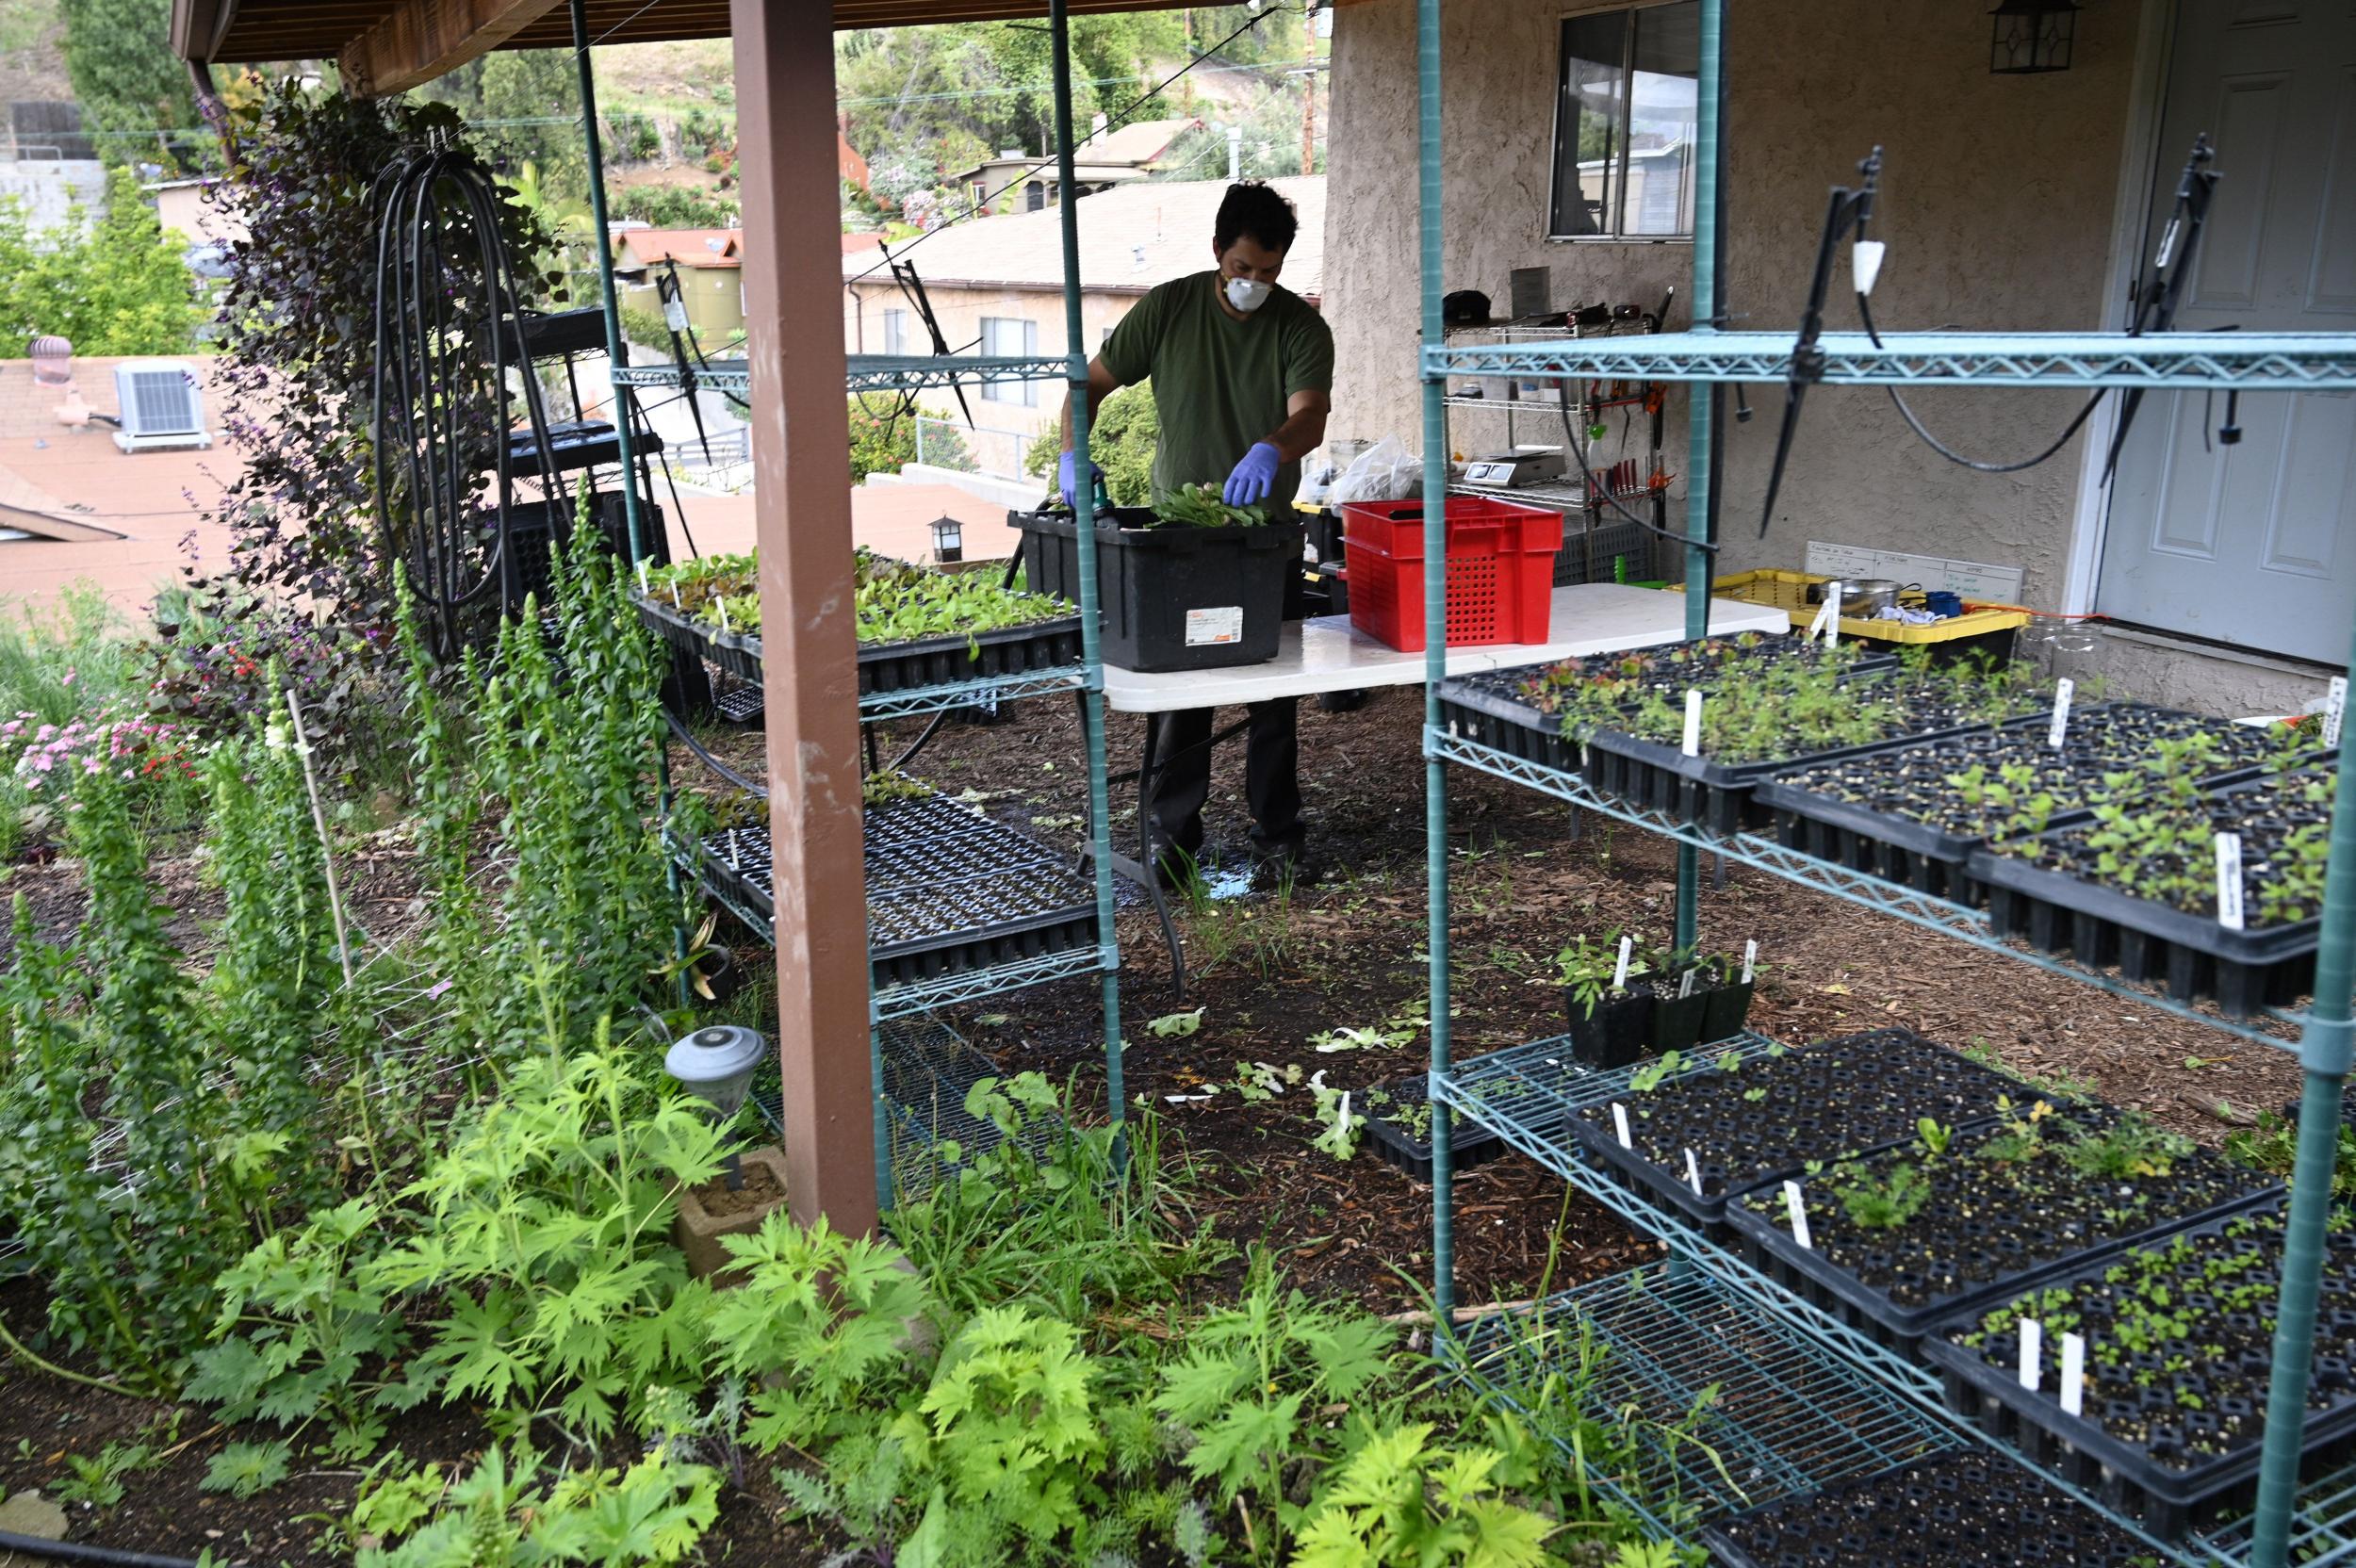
{"x":1118,"y":117}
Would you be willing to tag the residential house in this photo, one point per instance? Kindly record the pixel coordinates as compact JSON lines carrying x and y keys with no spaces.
{"x":847,"y":163}
{"x":995,"y":285}
{"x":1105,"y":158}
{"x":709,"y":264}
{"x":193,"y":210}
{"x":2008,"y":203}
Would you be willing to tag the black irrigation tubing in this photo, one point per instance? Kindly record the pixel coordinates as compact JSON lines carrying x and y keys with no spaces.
{"x":710,"y":760}
{"x":76,"y":1551}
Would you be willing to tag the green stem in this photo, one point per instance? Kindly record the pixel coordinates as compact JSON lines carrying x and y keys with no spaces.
{"x":17,"y":1350}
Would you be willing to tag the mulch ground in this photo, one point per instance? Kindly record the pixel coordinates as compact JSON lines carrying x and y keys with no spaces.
{"x":1269,"y":972}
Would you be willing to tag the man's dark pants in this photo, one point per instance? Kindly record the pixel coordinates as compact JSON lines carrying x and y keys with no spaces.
{"x":1271,"y":780}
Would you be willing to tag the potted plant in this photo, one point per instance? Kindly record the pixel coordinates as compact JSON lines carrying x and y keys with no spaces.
{"x":1611,"y":1019}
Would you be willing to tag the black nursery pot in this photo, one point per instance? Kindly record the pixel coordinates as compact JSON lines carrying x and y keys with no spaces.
{"x":1677,"y":1021}
{"x":721,"y":973}
{"x":1616,"y":1033}
{"x":1727,"y":1009}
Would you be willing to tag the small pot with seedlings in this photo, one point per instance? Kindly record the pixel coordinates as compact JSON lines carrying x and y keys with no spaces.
{"x":1609,"y":997}
{"x":1399,"y":1125}
{"x":1697,"y":1001}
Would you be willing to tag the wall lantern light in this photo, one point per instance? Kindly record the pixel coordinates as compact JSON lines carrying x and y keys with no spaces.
{"x":948,"y":539}
{"x":2032,"y":36}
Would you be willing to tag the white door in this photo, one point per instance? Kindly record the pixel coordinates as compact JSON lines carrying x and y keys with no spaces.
{"x":2253,"y":544}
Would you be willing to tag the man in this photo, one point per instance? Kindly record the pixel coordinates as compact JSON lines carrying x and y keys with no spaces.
{"x":1242,"y":372}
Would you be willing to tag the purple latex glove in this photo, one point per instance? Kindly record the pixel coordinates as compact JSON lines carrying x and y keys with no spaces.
{"x":1068,"y":483}
{"x":1255,"y":476}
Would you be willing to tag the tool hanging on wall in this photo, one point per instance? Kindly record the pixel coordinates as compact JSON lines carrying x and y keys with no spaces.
{"x":2156,"y":305}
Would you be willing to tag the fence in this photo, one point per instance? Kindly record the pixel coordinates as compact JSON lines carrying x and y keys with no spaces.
{"x":985,"y":448}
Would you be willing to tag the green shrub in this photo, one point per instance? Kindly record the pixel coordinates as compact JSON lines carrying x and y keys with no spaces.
{"x":883,"y":439}
{"x":1122,"y":442}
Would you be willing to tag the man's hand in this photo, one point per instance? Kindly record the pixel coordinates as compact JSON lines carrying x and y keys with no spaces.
{"x":1255,"y":476}
{"x":1068,"y":481}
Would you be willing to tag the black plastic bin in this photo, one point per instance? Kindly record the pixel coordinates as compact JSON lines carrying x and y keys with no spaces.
{"x":1171,"y":598}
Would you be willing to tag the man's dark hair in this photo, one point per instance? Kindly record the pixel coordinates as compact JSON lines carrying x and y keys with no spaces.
{"x":1252,"y":208}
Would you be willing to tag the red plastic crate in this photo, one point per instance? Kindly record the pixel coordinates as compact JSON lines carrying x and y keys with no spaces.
{"x":1500,"y":571}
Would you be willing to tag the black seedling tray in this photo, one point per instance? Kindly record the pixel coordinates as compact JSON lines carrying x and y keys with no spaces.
{"x":1824,"y":1102}
{"x":2191,"y":955}
{"x":890,"y":666}
{"x":1966,"y":1508}
{"x":1469,"y":1142}
{"x":1975,"y":1236}
{"x":986,"y":897}
{"x":1880,"y":842}
{"x":2133,"y":1474}
{"x":1492,"y":708}
{"x":948,"y":890}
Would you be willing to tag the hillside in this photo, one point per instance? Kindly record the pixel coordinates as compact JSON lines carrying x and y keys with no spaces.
{"x":32,"y":51}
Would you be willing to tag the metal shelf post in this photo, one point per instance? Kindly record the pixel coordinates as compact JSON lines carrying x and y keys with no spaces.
{"x":1091,"y":636}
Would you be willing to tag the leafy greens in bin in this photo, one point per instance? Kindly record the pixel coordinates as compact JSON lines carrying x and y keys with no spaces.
{"x":897,"y":602}
{"x":1200,"y":506}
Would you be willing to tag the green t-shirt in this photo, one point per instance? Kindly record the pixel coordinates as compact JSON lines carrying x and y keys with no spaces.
{"x":1219,"y":384}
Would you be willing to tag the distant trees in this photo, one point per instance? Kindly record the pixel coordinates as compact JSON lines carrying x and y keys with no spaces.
{"x":125,"y":76}
{"x":115,"y":284}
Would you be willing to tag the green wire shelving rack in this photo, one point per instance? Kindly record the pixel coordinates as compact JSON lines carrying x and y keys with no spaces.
{"x":1708,"y":1308}
{"x":902,"y":1054}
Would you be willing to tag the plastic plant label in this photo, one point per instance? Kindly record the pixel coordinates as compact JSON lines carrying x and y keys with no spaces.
{"x":675,"y":315}
{"x":1215,"y":627}
{"x":1827,"y":622}
{"x":2074,"y":1374}
{"x":1750,"y":958}
{"x":1798,"y":1211}
{"x":2062,"y":692}
{"x":2032,"y":1352}
{"x":2334,"y":709}
{"x":1619,"y":975}
{"x":1694,"y":1173}
{"x":2229,"y":911}
{"x":1619,"y":1124}
{"x":1693,"y":722}
{"x":723,"y":605}
{"x":674,"y":603}
{"x":1685,"y":983}
{"x":642,"y":577}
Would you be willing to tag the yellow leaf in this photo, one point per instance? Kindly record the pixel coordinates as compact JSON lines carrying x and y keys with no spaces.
{"x":1836,"y":989}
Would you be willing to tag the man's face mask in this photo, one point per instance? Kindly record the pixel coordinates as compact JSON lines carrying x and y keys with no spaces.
{"x":1247,"y":294}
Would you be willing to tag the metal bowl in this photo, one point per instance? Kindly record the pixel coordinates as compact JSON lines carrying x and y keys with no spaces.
{"x":1865,"y":596}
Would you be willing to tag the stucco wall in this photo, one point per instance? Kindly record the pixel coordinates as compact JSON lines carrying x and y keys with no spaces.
{"x":1997,"y":203}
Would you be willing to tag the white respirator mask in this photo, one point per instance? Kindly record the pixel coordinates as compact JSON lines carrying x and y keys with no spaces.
{"x":1247,"y":294}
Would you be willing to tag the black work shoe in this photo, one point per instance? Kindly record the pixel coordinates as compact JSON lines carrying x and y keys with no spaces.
{"x":1285,"y":869}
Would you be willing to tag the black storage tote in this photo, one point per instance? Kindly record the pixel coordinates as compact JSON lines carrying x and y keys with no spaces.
{"x":1173,"y":599}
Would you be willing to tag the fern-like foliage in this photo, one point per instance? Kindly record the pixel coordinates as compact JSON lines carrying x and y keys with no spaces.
{"x":1399,"y":1503}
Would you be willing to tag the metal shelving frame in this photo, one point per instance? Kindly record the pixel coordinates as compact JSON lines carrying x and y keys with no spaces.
{"x":902,"y":373}
{"x":2320,"y":1522}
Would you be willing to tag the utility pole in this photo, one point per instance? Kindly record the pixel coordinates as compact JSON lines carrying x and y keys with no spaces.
{"x":1309,"y":91}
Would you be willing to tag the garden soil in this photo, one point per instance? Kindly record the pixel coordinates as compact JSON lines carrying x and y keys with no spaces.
{"x":1272,"y":973}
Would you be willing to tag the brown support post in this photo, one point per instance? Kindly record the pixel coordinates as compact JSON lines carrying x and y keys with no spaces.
{"x":802,"y":473}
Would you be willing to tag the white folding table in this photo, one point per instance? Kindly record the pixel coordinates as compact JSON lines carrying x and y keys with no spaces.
{"x":1326,"y":654}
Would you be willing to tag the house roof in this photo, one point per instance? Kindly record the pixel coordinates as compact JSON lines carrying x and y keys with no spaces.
{"x":847,"y":162}
{"x":854,"y":243}
{"x":1111,"y":154}
{"x":1140,"y":141}
{"x":1132,"y":237}
{"x":688,"y":247}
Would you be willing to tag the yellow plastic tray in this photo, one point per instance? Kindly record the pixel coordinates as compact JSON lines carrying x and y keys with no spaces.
{"x":1787,"y":592}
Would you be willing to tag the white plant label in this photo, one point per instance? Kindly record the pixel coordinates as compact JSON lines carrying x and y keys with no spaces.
{"x":674,"y":603}
{"x":642,"y":576}
{"x":1619,"y":1124}
{"x":1619,"y":975}
{"x":1750,"y":958}
{"x":1694,"y":1172}
{"x":724,"y":614}
{"x":2074,"y":1374}
{"x":1827,"y":622}
{"x":1798,"y":1211}
{"x":1685,"y":983}
{"x":2229,"y":911}
{"x":1693,"y":722}
{"x":2032,"y":1352}
{"x":2062,"y":692}
{"x":2334,"y":709}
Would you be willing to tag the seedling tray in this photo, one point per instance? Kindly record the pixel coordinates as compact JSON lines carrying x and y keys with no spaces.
{"x":1960,"y":1251}
{"x":2139,"y":1447}
{"x":2194,"y":957}
{"x":1496,"y":709}
{"x":1969,"y":1507}
{"x":1834,"y":1099}
{"x":948,"y":890}
{"x":890,"y":666}
{"x":1469,"y":1142}
{"x":1892,"y":837}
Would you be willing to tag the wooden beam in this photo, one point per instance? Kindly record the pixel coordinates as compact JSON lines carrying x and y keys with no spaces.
{"x":422,"y":38}
{"x":810,"y":648}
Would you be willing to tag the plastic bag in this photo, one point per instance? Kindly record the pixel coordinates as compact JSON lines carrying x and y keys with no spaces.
{"x":1387,"y":471}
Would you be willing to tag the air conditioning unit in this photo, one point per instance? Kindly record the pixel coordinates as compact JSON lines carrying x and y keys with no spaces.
{"x":161,"y":408}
